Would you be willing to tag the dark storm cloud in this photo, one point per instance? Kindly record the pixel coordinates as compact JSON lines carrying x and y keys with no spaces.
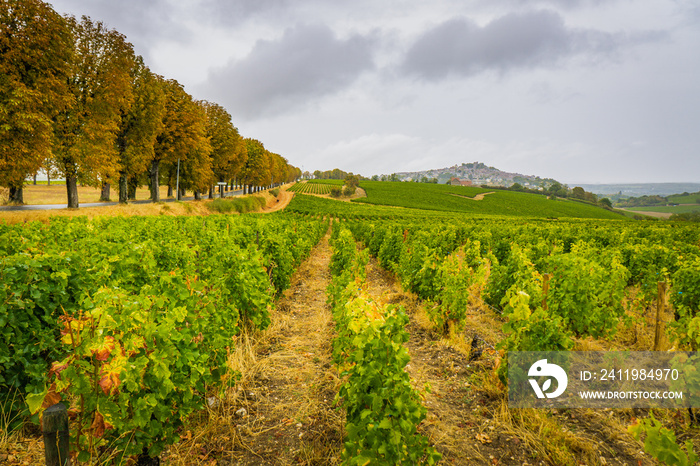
{"x":517,"y":40}
{"x":305,"y":63}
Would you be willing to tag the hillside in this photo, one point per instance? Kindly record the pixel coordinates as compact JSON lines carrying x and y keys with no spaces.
{"x":640,"y":189}
{"x":477,"y":173}
{"x":434,"y":197}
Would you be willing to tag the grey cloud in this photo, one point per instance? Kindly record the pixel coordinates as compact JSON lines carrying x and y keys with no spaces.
{"x":142,"y":22}
{"x":461,"y":47}
{"x":228,"y":12}
{"x":565,"y":4}
{"x":307,"y":62}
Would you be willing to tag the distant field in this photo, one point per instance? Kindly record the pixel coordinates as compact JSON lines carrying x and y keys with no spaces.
{"x":692,"y":198}
{"x":669,"y":209}
{"x":56,"y":194}
{"x":451,"y":198}
{"x":333,"y":182}
{"x":311,"y":188}
{"x":45,"y":182}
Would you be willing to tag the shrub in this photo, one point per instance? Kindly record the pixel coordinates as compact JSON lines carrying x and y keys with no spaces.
{"x":238,"y":204}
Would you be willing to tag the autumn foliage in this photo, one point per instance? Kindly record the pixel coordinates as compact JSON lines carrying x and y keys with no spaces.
{"x":75,"y":101}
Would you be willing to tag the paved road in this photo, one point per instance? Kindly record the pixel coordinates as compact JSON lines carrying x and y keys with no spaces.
{"x":104,"y":204}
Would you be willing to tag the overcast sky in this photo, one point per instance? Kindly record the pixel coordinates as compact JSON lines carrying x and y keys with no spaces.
{"x":583,"y":91}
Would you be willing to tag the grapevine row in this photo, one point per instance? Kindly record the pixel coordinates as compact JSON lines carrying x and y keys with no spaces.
{"x":129,"y":321}
{"x":553,"y":280}
{"x":383,"y":410}
{"x":311,"y":188}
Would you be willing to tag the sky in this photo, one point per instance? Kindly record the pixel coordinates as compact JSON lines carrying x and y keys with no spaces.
{"x":582,"y":91}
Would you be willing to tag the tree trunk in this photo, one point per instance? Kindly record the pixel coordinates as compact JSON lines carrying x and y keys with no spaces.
{"x":197,"y":196}
{"x":181,"y":194}
{"x":155,"y":189}
{"x":123,"y":189}
{"x":16,"y":195}
{"x":48,"y":179}
{"x":72,"y":190}
{"x":132,"y":185}
{"x":104,"y":196}
{"x":171,"y":181}
{"x":34,"y":179}
{"x":211,"y":191}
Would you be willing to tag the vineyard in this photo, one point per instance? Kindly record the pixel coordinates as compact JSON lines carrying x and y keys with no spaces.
{"x":130,"y":320}
{"x":435,"y":197}
{"x":133,"y":323}
{"x":311,"y":188}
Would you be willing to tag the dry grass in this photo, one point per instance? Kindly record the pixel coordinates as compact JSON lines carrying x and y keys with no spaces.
{"x":280,"y":410}
{"x":183,"y":208}
{"x":56,"y":194}
{"x":44,"y":216}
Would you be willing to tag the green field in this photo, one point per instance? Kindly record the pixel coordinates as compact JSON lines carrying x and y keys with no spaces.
{"x":434,"y":197}
{"x":690,"y":198}
{"x":331,"y":182}
{"x":671,"y":209}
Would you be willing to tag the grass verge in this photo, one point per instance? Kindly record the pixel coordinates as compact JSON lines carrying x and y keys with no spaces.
{"x":241,"y":205}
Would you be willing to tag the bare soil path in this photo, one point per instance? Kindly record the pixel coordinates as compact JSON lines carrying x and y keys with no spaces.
{"x":478,"y":197}
{"x":279,"y":203}
{"x":283,"y":411}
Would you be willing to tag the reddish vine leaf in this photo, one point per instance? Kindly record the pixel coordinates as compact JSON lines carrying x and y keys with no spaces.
{"x":104,"y":349}
{"x":109,"y":383}
{"x":99,"y":425}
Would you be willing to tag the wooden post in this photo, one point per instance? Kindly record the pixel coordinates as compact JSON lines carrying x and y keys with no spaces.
{"x":660,"y":325}
{"x":56,"y":436}
{"x":545,"y":290}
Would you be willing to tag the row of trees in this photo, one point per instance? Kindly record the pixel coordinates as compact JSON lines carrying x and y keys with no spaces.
{"x":76,"y":102}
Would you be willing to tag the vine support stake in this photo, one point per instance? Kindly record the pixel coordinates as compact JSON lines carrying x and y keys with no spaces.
{"x":660,"y":325}
{"x":545,"y":290}
{"x":56,"y":435}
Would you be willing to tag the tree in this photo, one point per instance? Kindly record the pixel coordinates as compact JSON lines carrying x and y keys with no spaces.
{"x":183,"y":135}
{"x":578,"y":193}
{"x":352,"y":181}
{"x":228,"y":155}
{"x":100,"y":88}
{"x":606,"y":203}
{"x":139,"y":127}
{"x":35,"y":54}
{"x":556,"y":189}
{"x":280,"y":169}
{"x":256,"y":164}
